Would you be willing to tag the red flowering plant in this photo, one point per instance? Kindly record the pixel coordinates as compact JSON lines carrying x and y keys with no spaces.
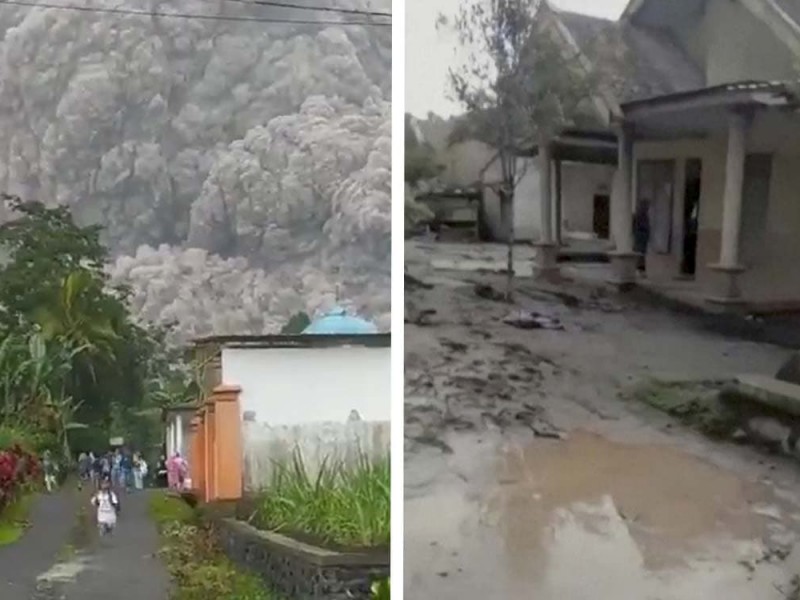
{"x":19,"y":471}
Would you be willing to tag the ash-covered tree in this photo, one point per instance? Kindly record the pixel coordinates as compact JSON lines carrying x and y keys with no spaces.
{"x":420,"y":165}
{"x":420,"y":157}
{"x":520,"y":85}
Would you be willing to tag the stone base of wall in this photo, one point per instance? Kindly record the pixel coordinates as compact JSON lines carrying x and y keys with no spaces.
{"x":298,"y":570}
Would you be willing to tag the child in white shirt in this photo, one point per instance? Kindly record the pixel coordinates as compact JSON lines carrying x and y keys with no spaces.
{"x":107,"y":504}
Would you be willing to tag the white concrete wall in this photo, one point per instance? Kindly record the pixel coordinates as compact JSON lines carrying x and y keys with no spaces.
{"x":527,"y":213}
{"x":772,"y":277}
{"x":580,"y":183}
{"x":303,"y":399}
{"x":310,"y":385}
{"x":346,"y":443}
{"x":176,"y":442}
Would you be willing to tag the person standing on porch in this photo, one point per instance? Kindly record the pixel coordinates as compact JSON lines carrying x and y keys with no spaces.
{"x":641,"y":233}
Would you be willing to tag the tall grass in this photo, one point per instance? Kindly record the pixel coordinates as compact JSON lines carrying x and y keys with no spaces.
{"x":345,"y":505}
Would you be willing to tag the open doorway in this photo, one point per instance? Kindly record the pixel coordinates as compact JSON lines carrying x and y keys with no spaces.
{"x":691,"y":214}
{"x":601,"y":216}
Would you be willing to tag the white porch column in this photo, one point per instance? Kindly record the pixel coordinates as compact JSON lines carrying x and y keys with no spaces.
{"x":622,"y":258}
{"x":169,"y":438}
{"x":546,"y":261}
{"x":724,"y":287}
{"x":179,"y":434}
{"x":623,"y":215}
{"x":734,"y":183}
{"x":546,"y":193}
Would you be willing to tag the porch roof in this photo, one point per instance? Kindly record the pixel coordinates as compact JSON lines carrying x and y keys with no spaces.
{"x":699,"y":112}
{"x":597,"y":146}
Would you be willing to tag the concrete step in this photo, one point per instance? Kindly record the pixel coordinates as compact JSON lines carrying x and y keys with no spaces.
{"x":768,"y":391}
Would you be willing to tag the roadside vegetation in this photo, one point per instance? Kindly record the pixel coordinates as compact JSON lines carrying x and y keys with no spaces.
{"x":343,"y":506}
{"x":198,"y":567}
{"x":75,"y":367}
{"x":697,"y":404}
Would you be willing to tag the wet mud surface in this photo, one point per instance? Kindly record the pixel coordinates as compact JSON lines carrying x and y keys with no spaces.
{"x":529,"y":476}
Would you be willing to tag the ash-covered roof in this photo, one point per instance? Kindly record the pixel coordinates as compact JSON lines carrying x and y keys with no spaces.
{"x":654,"y":64}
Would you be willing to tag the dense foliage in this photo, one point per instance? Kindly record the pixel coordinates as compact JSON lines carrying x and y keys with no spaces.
{"x":74,"y":366}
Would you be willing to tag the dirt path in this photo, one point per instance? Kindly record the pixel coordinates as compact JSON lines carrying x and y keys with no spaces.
{"x":61,"y":557}
{"x":528,"y":476}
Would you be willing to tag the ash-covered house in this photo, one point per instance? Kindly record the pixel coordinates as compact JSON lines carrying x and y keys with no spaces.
{"x":708,"y":135}
{"x":324,"y":393}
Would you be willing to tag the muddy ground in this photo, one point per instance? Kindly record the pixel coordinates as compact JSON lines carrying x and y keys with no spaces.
{"x":530,"y":475}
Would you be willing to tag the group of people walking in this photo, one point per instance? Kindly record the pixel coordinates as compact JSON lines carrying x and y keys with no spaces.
{"x":121,"y":468}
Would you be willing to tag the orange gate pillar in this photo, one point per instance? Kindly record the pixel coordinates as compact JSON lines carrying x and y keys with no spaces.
{"x":211,"y":442}
{"x":194,"y":439}
{"x":229,"y":447}
{"x":199,"y":472}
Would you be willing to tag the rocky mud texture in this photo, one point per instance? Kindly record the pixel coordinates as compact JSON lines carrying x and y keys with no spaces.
{"x":241,"y":170}
{"x":530,"y":472}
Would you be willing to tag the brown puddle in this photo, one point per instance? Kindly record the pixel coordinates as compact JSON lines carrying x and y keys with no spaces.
{"x":587,"y":518}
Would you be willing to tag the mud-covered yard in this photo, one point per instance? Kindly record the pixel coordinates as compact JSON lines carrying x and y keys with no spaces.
{"x":530,"y":474}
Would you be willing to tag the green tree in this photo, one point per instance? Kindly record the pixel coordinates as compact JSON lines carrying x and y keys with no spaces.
{"x":53,"y":289}
{"x":296,"y":324}
{"x":42,"y":247}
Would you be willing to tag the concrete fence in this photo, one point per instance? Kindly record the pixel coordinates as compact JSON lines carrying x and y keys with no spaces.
{"x":347,"y":443}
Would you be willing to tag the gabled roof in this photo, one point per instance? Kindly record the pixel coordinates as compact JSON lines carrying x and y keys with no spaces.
{"x":781,"y":16}
{"x":791,"y":8}
{"x":655,"y":65}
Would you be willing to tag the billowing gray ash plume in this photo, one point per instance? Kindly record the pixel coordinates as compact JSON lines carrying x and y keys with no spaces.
{"x":241,"y":169}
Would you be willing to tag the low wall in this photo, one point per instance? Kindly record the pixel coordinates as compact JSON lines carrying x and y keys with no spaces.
{"x":301,"y":571}
{"x":348,"y":442}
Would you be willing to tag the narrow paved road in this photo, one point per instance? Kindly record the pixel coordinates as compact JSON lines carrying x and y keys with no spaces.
{"x":62,"y":557}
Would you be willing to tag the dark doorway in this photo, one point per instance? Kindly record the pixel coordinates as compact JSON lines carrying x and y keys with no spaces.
{"x":601,"y":216}
{"x":691,"y":216}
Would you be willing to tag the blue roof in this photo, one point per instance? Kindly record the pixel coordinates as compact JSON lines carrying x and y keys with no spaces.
{"x":338,"y":322}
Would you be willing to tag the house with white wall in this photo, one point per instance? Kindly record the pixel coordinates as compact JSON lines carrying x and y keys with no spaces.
{"x":581,"y":191}
{"x":177,"y":421}
{"x":324,"y":393}
{"x":707,"y":139}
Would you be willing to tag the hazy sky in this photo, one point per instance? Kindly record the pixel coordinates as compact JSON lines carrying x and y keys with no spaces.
{"x":429,"y":53}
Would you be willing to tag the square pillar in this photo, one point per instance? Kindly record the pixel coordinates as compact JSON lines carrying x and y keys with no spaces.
{"x":191,"y":458}
{"x":229,"y":447}
{"x":559,"y":172}
{"x":198,"y":464}
{"x":724,"y":287}
{"x":209,"y":476}
{"x":622,"y":258}
{"x":546,"y":260}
